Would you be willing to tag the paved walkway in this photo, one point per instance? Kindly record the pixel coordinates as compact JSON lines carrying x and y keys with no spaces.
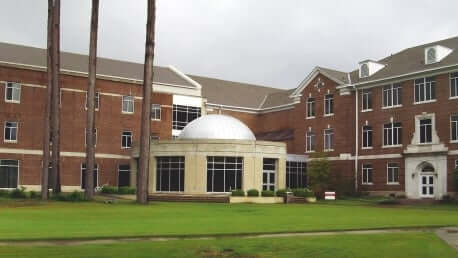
{"x":448,"y":234}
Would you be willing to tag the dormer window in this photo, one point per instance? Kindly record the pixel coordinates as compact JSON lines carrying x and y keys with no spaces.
{"x":431,"y":55}
{"x":364,"y":70}
{"x":435,"y":54}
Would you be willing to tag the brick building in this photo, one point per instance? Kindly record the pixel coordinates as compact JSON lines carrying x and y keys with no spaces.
{"x":390,"y":126}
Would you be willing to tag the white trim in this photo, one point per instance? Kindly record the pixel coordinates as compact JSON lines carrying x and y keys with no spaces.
{"x":13,"y":87}
{"x":133,"y":105}
{"x":185,"y":77}
{"x":311,"y":76}
{"x":425,"y":102}
{"x":81,"y":173}
{"x":362,"y":175}
{"x":17,"y":132}
{"x":62,"y":154}
{"x":131,"y":139}
{"x":387,"y":173}
{"x":390,"y":107}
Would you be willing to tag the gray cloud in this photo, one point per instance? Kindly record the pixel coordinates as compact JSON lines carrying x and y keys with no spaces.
{"x":274,"y":43}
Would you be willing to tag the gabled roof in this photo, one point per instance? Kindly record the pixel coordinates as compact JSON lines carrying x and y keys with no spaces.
{"x":233,"y":94}
{"x":339,"y":77}
{"x":32,"y":56}
{"x":410,"y":60}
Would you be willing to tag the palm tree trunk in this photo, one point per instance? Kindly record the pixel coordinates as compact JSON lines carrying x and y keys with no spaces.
{"x":47,"y":114}
{"x":142,"y":175}
{"x":90,"y":137}
{"x":55,"y":115}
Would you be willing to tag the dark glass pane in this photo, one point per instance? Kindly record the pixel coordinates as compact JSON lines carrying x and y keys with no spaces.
{"x":431,"y":180}
{"x":239,"y":179}
{"x":165,"y":176}
{"x":209,"y":181}
{"x":230,"y":180}
{"x":174,"y":180}
{"x":433,"y":90}
{"x":369,"y":139}
{"x":264,"y":177}
{"x":417,"y":93}
{"x":431,"y":190}
{"x":218,"y":181}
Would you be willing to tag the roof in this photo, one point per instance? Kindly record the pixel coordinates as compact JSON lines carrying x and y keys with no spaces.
{"x":276,"y":99}
{"x":276,"y":136}
{"x":217,"y":127}
{"x":334,"y":74}
{"x":410,"y":60}
{"x":79,"y":63}
{"x":235,"y":94}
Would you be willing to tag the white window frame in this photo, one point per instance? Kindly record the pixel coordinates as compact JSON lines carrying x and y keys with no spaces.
{"x":367,"y":137}
{"x":85,"y":137}
{"x":97,"y":101}
{"x":309,"y":141}
{"x":393,"y":128}
{"x":426,"y":127}
{"x":81,"y":174}
{"x":434,"y":51}
{"x":125,"y":99}
{"x":366,"y":170}
{"x":390,"y":168}
{"x":452,"y":133}
{"x":456,"y":164}
{"x":18,"y":173}
{"x":154,"y":108}
{"x":328,"y":139}
{"x":423,"y":87}
{"x":395,"y":92}
{"x":366,"y":99}
{"x":269,"y":184}
{"x":14,"y":86}
{"x":122,"y":139}
{"x":454,"y":79}
{"x":310,"y":107}
{"x":4,"y":132}
{"x":328,"y":105}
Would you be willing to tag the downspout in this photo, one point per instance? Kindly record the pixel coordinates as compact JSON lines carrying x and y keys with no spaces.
{"x":356,"y":139}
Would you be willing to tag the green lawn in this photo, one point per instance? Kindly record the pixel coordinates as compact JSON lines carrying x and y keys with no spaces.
{"x":33,"y":220}
{"x":400,"y":245}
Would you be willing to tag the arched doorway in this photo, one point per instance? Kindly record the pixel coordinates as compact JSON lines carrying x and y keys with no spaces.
{"x":427,"y":180}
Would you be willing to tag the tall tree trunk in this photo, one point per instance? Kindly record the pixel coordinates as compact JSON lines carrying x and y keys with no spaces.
{"x":90,"y":137}
{"x":55,"y":114}
{"x":142,"y":175}
{"x":47,"y":114}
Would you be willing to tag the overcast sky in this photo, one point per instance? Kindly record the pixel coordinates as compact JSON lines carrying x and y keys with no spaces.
{"x":272,"y":43}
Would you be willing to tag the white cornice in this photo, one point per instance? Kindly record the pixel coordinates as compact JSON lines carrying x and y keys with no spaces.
{"x":309,"y":78}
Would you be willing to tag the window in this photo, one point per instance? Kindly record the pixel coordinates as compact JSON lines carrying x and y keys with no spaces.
{"x":310,"y":107}
{"x":296,"y":174}
{"x":268,"y":174}
{"x":96,"y":101}
{"x":329,"y":104}
{"x":328,"y":139}
{"x":95,"y":137}
{"x":456,"y":164}
{"x":126,"y":139}
{"x":95,"y":173}
{"x":454,"y":127}
{"x":11,"y":130}
{"x":367,"y":175}
{"x":182,"y":115}
{"x":426,"y":127}
{"x":392,"y":95}
{"x":224,"y":174}
{"x":13,"y":92}
{"x":156,"y":112}
{"x":170,"y":174}
{"x":123,"y":175}
{"x":364,"y":70}
{"x":392,"y":134}
{"x":431,"y":55}
{"x":393,"y":173}
{"x":9,"y":173}
{"x":367,"y":136}
{"x":128,"y":104}
{"x":425,"y":89}
{"x":367,"y":99}
{"x":310,"y":142}
{"x":454,"y":85}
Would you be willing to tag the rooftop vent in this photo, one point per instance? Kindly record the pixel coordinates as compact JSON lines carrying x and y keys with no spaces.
{"x":435,"y":54}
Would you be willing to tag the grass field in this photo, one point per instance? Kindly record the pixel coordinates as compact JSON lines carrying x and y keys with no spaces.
{"x":400,"y":245}
{"x":58,"y":220}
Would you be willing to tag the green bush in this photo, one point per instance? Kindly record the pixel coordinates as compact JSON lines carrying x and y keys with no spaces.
{"x":34,"y":195}
{"x":253,"y":193}
{"x":303,"y":192}
{"x":18,"y":193}
{"x":238,"y":192}
{"x":389,"y":202}
{"x":126,"y":190}
{"x":267,"y":193}
{"x":69,"y":197}
{"x":281,"y":192}
{"x":4,"y":193}
{"x":109,"y":189}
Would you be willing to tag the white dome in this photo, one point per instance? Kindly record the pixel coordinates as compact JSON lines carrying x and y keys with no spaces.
{"x":217,"y":127}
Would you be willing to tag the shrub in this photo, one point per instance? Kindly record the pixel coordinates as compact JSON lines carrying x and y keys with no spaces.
{"x":281,"y":192}
{"x":4,"y":193}
{"x":267,"y":193}
{"x":389,"y":202}
{"x":126,"y":190}
{"x":69,"y":197}
{"x":238,"y":192}
{"x":18,"y":193}
{"x":34,"y":195}
{"x":318,"y":170}
{"x":306,"y":193}
{"x":253,"y":193}
{"x":109,"y":189}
